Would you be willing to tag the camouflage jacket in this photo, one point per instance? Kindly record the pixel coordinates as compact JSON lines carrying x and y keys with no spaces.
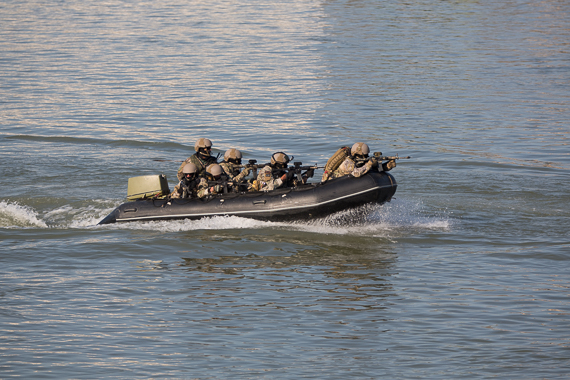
{"x":196,"y":187}
{"x":233,"y":171}
{"x":265,"y":179}
{"x":203,"y":188}
{"x":200,"y":163}
{"x":348,"y":166}
{"x":212,"y":186}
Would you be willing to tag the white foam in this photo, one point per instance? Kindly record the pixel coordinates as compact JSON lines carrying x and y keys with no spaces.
{"x":206,"y":223}
{"x":58,"y":211}
{"x":371,"y":220}
{"x":88,"y":216}
{"x":14,"y":215}
{"x":69,"y":216}
{"x":410,"y":214}
{"x":378,"y":220}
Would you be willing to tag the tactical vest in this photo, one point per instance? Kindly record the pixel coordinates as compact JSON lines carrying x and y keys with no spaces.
{"x":201,"y":164}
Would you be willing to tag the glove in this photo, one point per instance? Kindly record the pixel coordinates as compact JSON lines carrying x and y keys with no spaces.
{"x":290,"y":175}
{"x":373,"y":162}
{"x":310,"y":173}
{"x":390,"y":164}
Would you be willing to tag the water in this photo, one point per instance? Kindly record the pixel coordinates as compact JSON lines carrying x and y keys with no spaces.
{"x":463,"y":275}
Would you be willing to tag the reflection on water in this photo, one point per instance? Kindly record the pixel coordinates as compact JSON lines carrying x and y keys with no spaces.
{"x":359,"y":277}
{"x":335,"y":261}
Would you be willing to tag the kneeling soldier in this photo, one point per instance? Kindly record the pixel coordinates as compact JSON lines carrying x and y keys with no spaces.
{"x":214,"y":183}
{"x":358,"y":163}
{"x":189,"y":184}
{"x":202,"y":158}
{"x":233,"y":168}
{"x":275,"y":174}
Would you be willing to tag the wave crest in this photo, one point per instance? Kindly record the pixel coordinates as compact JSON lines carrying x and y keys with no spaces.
{"x":12,"y":214}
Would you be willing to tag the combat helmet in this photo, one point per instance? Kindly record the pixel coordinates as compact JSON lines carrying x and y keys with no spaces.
{"x":280,"y":158}
{"x":214,"y":170}
{"x":202,"y":143}
{"x":233,"y":155}
{"x":189,"y":168}
{"x":359,"y":149}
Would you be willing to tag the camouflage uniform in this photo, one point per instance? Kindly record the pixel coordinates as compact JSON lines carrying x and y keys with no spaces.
{"x":206,"y":187}
{"x":196,"y":189}
{"x":201,"y":164}
{"x":265,"y":179}
{"x":230,"y":168}
{"x":203,"y":188}
{"x":348,"y":166}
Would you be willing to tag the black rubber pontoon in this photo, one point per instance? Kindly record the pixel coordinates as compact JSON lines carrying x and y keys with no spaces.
{"x":303,"y":202}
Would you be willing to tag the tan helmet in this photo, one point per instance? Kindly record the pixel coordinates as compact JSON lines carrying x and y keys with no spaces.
{"x":280,"y":158}
{"x":189,"y":168}
{"x":214,"y":170}
{"x":232,"y":154}
{"x":202,"y":143}
{"x":360,"y":149}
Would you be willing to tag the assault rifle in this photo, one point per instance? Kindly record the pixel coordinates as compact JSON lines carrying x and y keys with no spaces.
{"x":223,"y":183}
{"x":253,"y":165}
{"x":188,"y":186}
{"x":298,"y":167}
{"x":379,"y":157}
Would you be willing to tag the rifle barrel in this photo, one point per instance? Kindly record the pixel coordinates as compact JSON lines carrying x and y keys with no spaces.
{"x":384,"y":158}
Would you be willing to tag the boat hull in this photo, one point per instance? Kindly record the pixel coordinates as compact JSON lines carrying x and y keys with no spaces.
{"x":304,"y":202}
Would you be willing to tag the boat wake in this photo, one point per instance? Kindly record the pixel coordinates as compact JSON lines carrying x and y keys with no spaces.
{"x":15,"y":215}
{"x":370,"y":220}
{"x":376,"y":220}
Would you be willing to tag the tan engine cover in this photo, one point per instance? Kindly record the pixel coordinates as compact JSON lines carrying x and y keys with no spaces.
{"x":147,"y":186}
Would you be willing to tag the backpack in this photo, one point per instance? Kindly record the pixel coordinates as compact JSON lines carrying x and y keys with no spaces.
{"x":334,"y":162}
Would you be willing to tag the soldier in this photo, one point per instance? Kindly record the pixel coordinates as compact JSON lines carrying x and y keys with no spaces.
{"x":189,"y":184}
{"x":275,"y":174}
{"x":358,"y":163}
{"x":201,"y":158}
{"x":232,"y":167}
{"x":214,"y":183}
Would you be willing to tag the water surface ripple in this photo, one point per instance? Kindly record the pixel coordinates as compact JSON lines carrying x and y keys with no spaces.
{"x":462,"y":275}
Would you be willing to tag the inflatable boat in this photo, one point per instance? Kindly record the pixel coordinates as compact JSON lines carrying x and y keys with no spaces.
{"x":303,"y":202}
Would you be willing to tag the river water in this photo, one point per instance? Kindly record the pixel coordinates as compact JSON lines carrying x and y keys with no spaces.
{"x":465,"y":274}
